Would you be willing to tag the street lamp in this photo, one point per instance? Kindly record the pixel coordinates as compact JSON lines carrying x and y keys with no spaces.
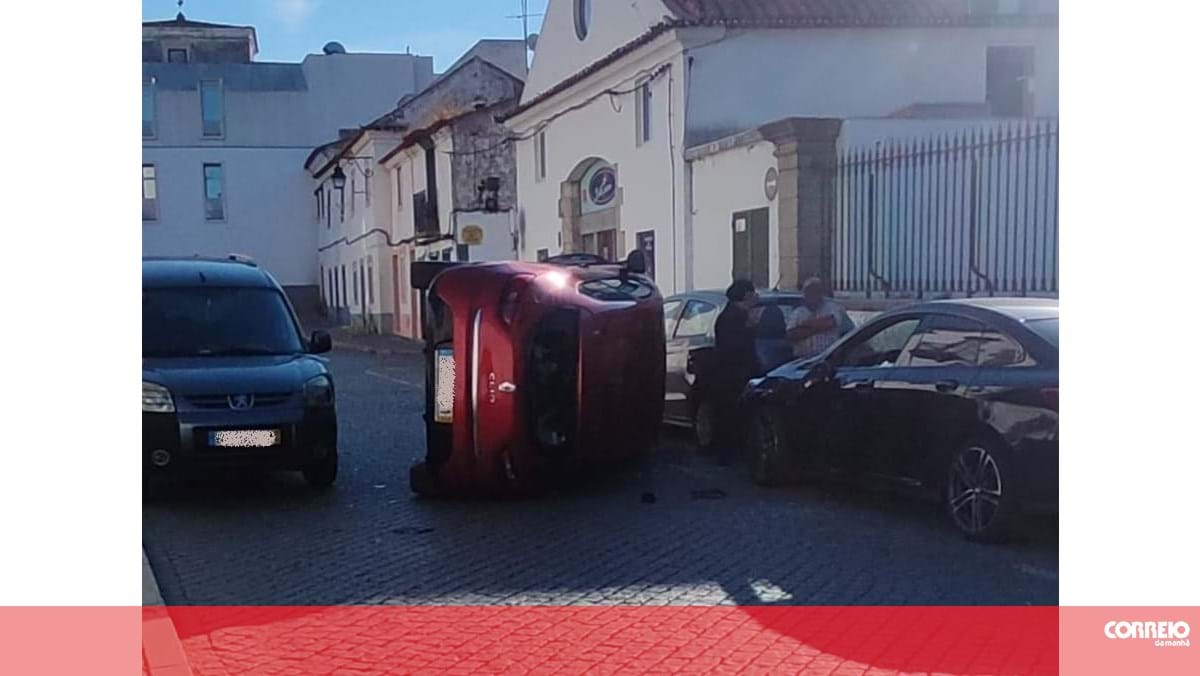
{"x":339,"y":178}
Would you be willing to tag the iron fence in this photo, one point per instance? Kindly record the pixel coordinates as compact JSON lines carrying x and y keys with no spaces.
{"x":970,"y":213}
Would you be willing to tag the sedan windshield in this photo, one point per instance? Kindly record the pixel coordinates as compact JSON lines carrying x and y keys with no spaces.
{"x":215,"y":321}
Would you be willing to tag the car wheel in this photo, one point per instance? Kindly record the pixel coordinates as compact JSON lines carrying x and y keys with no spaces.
{"x":981,"y":491}
{"x":767,"y":449}
{"x":323,"y":472}
{"x":705,"y":425}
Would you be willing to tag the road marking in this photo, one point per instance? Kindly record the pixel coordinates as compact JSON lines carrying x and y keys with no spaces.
{"x":384,"y":376}
{"x":1036,"y":572}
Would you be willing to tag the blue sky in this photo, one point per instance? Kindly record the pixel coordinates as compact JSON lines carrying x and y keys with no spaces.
{"x":289,"y":29}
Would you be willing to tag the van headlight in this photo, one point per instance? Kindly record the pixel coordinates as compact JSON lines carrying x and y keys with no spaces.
{"x":318,"y":391}
{"x":156,"y":399}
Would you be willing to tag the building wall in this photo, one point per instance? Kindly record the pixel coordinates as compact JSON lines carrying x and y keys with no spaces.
{"x":837,"y":72}
{"x":560,"y":53}
{"x":722,"y":184}
{"x":265,"y":217}
{"x":274,"y":115}
{"x":650,"y":176}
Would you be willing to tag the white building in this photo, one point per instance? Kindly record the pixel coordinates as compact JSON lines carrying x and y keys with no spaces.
{"x":621,"y":97}
{"x":224,"y":139}
{"x":434,"y":179}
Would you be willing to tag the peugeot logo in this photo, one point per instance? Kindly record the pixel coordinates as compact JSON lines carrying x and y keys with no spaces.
{"x":241,"y":402}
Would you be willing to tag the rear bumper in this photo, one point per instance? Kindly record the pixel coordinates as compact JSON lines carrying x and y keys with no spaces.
{"x":307,"y":434}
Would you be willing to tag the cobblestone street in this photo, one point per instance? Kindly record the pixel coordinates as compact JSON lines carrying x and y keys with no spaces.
{"x":710,"y":537}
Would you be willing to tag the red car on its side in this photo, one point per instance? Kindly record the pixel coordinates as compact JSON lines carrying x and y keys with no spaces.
{"x":535,"y":371}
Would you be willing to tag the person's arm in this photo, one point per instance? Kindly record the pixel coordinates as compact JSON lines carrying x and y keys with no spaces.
{"x":811,"y":327}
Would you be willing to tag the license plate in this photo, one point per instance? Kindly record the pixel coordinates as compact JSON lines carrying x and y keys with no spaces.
{"x":443,"y":387}
{"x":245,"y":438}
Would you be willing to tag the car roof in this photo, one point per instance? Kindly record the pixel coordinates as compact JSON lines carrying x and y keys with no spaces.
{"x":1018,"y":309}
{"x":196,"y":271}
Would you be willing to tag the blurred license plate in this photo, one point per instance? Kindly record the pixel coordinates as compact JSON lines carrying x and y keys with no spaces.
{"x":245,"y":438}
{"x":443,"y":387}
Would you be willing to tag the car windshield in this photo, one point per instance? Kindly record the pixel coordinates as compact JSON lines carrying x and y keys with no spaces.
{"x":1046,"y":328}
{"x":216,"y":321}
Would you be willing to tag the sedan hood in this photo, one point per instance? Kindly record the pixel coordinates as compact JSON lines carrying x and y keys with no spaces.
{"x":232,"y":375}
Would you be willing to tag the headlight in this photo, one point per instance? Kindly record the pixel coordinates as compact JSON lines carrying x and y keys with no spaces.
{"x":156,"y":399}
{"x":318,"y":392}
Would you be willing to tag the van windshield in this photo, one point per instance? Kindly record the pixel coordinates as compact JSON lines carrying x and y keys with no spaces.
{"x":216,"y":322}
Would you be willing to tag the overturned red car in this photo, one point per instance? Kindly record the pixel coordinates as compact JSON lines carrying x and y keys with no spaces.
{"x":536,"y":371}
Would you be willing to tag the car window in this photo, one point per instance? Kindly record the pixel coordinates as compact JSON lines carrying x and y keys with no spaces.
{"x":998,"y":349}
{"x":1046,"y":328}
{"x":698,"y":317}
{"x":880,"y":348}
{"x":943,"y":340}
{"x":217,"y":321}
{"x":670,"y":316}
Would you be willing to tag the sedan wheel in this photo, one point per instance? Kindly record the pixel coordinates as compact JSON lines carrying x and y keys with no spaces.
{"x":977,"y":497}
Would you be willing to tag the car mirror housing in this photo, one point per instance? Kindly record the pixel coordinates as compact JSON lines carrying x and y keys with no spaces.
{"x":636,"y":263}
{"x":320,"y":343}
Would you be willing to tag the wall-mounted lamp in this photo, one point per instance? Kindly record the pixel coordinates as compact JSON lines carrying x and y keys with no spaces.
{"x":339,"y":178}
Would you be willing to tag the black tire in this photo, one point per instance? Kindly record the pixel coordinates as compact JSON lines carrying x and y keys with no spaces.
{"x":982,"y":490}
{"x":770,"y":464}
{"x":704,"y":425}
{"x":322,"y":473}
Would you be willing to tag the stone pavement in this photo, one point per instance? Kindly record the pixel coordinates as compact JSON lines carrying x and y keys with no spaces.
{"x":345,"y":338}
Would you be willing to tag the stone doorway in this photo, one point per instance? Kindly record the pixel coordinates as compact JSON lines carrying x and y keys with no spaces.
{"x":590,"y":209}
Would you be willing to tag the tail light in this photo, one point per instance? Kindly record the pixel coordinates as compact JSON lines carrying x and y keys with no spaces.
{"x":1050,"y":397}
{"x":511,"y":296}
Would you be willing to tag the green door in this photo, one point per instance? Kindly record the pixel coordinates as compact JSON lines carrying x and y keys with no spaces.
{"x":752,"y":246}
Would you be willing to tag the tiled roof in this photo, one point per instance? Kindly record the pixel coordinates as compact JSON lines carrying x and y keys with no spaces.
{"x":839,"y":12}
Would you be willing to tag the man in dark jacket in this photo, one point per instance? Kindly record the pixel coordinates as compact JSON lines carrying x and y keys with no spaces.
{"x":735,"y":361}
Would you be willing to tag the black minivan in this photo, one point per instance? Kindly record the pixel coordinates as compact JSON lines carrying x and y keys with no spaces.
{"x":228,"y":378}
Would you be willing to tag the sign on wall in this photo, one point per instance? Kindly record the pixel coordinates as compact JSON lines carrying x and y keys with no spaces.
{"x":471,"y":235}
{"x":771,"y":184}
{"x":598,"y":187}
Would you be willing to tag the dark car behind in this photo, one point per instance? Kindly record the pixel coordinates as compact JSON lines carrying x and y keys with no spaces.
{"x":959,"y":398}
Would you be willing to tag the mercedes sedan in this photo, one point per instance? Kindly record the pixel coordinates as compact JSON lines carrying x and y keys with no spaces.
{"x":959,"y":398}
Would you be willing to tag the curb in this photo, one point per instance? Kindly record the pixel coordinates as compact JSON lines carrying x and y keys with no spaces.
{"x":383,"y":351}
{"x":162,"y":652}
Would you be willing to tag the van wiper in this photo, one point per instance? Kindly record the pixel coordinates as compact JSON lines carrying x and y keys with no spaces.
{"x":242,"y":352}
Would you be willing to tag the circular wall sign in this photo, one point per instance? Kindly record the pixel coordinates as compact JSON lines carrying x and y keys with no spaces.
{"x":602,"y":187}
{"x":472,"y":235}
{"x":771,"y":184}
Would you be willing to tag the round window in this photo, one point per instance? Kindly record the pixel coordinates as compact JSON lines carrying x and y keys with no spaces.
{"x":583,"y":17}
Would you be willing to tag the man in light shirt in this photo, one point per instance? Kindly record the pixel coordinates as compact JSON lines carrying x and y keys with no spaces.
{"x":818,"y":322}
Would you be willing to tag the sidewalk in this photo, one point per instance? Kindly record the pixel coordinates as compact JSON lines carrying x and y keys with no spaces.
{"x":384,"y":344}
{"x":162,"y":653}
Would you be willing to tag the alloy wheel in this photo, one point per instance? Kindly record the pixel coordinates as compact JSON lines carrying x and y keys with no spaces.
{"x":975,"y":490}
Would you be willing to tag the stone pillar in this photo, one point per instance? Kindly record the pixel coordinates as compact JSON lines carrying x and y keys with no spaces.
{"x":806,"y":152}
{"x":569,"y":208}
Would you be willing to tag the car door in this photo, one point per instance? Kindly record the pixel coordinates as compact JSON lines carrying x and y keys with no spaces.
{"x":858,"y":428}
{"x":692,"y":344}
{"x":921,"y":402}
{"x":683,"y":322}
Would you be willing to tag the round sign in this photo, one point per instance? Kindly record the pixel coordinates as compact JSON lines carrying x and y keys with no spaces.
{"x":771,"y":183}
{"x":472,"y":235}
{"x":602,"y":188}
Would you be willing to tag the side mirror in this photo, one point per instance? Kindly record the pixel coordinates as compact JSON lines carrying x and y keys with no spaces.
{"x":823,"y":371}
{"x":636,"y":263}
{"x":320,"y":343}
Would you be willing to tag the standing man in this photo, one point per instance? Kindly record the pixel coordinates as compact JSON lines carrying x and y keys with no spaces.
{"x":818,"y":322}
{"x":735,"y":362}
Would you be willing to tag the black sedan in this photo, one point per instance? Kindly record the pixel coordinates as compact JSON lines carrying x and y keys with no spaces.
{"x":959,"y":398}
